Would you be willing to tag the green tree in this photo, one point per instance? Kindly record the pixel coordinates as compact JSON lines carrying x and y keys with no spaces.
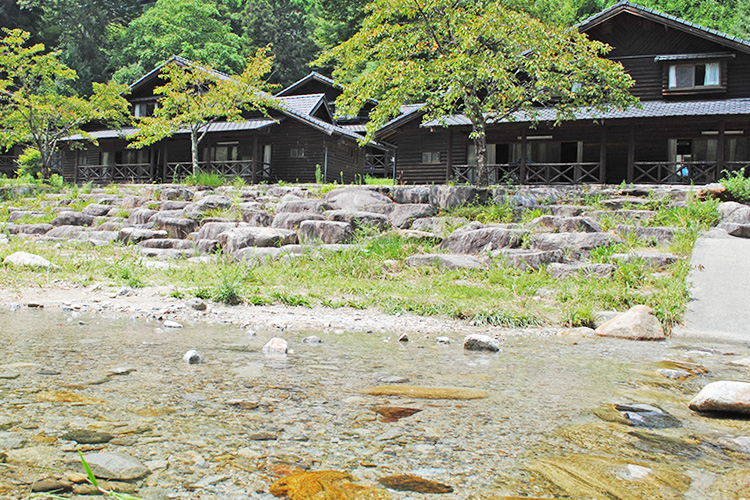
{"x":38,"y":107}
{"x":194,"y":97}
{"x":287,"y":28}
{"x":194,"y":29}
{"x":337,"y":20}
{"x":474,"y":58}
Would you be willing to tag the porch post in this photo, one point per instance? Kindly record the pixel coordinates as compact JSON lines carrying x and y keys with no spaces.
{"x":720,"y":150}
{"x":522,"y":173}
{"x":631,"y":154}
{"x":449,"y":162}
{"x":165,"y":165}
{"x":255,"y":157}
{"x":603,"y":156}
{"x":152,"y":163}
{"x":75,"y":170}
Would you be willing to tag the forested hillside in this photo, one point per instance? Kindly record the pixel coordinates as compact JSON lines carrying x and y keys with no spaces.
{"x":123,"y":39}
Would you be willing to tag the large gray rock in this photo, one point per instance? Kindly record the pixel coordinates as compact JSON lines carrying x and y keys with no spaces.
{"x":653,"y":259}
{"x":167,"y":243}
{"x":163,"y":215}
{"x":558,"y":224}
{"x":29,"y":228}
{"x":736,"y":230}
{"x":439,"y":225}
{"x":136,"y":235}
{"x":628,"y":201}
{"x":72,"y":219}
{"x":96,"y":210}
{"x":173,"y":205}
{"x":17,"y":215}
{"x":116,"y":466}
{"x":573,"y":243}
{"x":178,"y":228}
{"x":258,"y":218}
{"x":314,"y":206}
{"x":207,"y":203}
{"x":360,"y":219}
{"x":638,"y":323}
{"x":625,"y":215}
{"x":660,"y":235}
{"x":25,"y":259}
{"x":566,"y":210}
{"x":176,"y":193}
{"x":731,"y":211}
{"x":723,"y":396}
{"x":528,"y":259}
{"x":354,"y":198}
{"x":447,"y":261}
{"x":483,"y":240}
{"x":141,"y":215}
{"x":243,"y":237}
{"x":133,"y":201}
{"x":562,"y":271}
{"x":402,"y":216}
{"x":326,"y":231}
{"x":212,"y":230}
{"x":68,"y":232}
{"x":411,"y":194}
{"x":456,"y":196}
{"x":293,"y":220}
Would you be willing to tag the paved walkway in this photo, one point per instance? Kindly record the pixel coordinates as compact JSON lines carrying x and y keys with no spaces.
{"x":719,"y":307}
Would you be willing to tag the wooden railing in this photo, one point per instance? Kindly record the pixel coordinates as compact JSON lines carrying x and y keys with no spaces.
{"x":119,"y":172}
{"x":686,"y":172}
{"x":534,"y":173}
{"x":377,"y":165}
{"x":245,"y":169}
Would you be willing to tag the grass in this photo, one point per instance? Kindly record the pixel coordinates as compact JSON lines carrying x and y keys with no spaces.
{"x":738,"y":185}
{"x":374,"y":274}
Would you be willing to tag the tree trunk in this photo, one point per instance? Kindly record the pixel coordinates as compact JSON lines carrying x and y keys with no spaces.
{"x":480,"y":143}
{"x":194,"y":140}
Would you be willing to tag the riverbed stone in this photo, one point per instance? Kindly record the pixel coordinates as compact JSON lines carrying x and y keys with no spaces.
{"x":171,"y":324}
{"x":408,"y":482}
{"x":135,"y":235}
{"x":483,"y":240}
{"x":638,"y":323}
{"x":565,"y":270}
{"x":192,"y":357}
{"x":115,"y":466}
{"x":277,"y":346}
{"x":637,"y":415}
{"x":325,"y":484}
{"x":326,"y":231}
{"x":178,"y":227}
{"x":723,"y":396}
{"x":527,"y":259}
{"x":448,"y":261}
{"x":141,"y":215}
{"x":439,"y":225}
{"x":41,"y":228}
{"x":426,"y":392}
{"x":479,"y":342}
{"x":25,"y":259}
{"x":96,"y":209}
{"x":306,"y":205}
{"x":86,"y":436}
{"x":197,"y":304}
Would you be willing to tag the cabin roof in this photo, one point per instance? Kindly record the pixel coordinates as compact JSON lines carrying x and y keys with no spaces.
{"x":666,"y":19}
{"x":251,"y":124}
{"x":314,"y":75}
{"x":648,"y":109}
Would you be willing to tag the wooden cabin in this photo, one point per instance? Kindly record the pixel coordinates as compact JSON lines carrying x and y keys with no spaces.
{"x":694,"y":85}
{"x":291,"y":144}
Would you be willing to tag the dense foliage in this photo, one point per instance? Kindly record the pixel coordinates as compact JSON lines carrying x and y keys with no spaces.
{"x":101,"y":38}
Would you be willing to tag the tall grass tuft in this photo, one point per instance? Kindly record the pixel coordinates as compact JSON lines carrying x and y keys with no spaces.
{"x":738,"y":185}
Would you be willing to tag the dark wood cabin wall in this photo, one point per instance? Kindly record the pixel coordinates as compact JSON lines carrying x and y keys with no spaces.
{"x":412,"y":141}
{"x":294,"y":134}
{"x":637,"y":41}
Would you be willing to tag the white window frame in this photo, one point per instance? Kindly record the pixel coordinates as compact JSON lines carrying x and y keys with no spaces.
{"x":430,"y":157}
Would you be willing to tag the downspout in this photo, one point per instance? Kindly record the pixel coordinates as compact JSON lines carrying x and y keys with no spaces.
{"x":325,"y":165}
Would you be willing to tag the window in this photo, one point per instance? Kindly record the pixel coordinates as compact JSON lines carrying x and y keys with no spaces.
{"x":144,"y":109}
{"x":224,"y":151}
{"x":132,"y":157}
{"x":688,"y":76}
{"x":297,"y":152}
{"x":431,"y":157}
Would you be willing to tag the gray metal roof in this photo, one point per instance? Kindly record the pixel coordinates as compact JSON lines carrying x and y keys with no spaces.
{"x":306,"y":104}
{"x":252,"y":124}
{"x":314,"y":75}
{"x":649,"y":109}
{"x":693,"y":57}
{"x":624,"y":5}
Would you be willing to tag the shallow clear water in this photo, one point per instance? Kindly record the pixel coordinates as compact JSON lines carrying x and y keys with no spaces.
{"x":241,"y":419}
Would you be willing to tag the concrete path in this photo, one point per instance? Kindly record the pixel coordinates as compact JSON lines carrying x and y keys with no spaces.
{"x":719,"y":307}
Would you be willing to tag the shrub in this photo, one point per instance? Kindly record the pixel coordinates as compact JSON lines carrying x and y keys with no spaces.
{"x":737,"y":184}
{"x":29,"y":162}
